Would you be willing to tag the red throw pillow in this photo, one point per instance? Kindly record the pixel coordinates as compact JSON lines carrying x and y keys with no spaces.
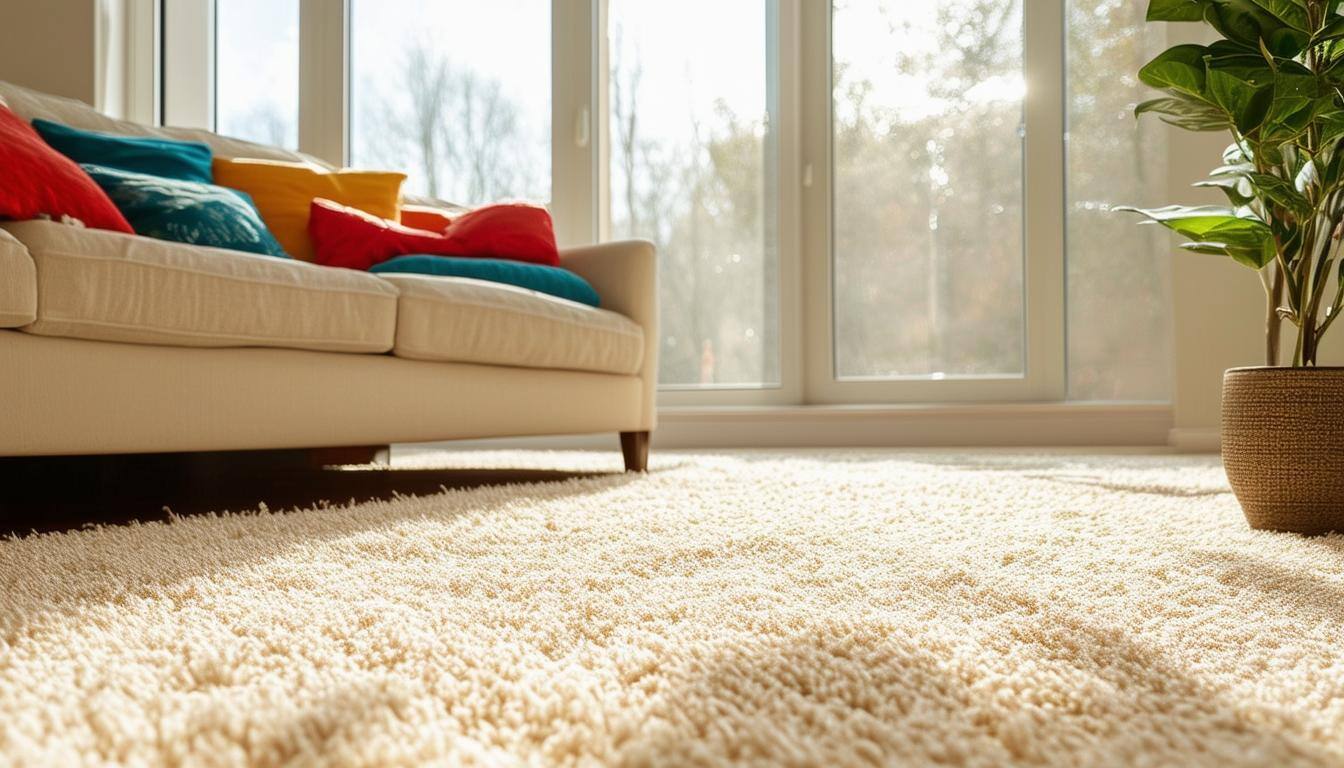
{"x":425,"y":217}
{"x":516,"y":231}
{"x":348,"y":237}
{"x":37,"y":181}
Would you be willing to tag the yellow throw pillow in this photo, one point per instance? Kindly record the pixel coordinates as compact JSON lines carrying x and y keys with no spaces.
{"x":284,"y":192}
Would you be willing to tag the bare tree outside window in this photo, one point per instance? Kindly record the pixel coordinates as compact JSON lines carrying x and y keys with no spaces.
{"x":1119,"y":279}
{"x":442,"y":92}
{"x":257,"y":71}
{"x":928,"y":257}
{"x":688,"y":171}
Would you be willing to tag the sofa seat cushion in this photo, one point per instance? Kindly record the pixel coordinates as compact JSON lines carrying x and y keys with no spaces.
{"x":463,"y":320}
{"x":113,"y":287}
{"x":18,"y":283}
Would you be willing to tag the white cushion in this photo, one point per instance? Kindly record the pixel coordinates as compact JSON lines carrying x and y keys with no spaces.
{"x":106,"y":286}
{"x":457,"y":319}
{"x":18,"y":283}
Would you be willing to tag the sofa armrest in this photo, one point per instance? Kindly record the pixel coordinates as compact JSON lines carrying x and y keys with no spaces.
{"x":625,"y":274}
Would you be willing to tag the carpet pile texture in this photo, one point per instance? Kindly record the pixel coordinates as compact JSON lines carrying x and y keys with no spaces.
{"x":824,"y":608}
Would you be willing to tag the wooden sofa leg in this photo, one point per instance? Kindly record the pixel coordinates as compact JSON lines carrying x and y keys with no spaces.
{"x":635,"y":448}
{"x":360,"y":454}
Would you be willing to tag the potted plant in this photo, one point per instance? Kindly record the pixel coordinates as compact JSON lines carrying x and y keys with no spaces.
{"x":1274,"y":82}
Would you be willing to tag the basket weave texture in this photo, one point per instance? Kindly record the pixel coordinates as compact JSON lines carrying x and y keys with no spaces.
{"x":1283,"y":446}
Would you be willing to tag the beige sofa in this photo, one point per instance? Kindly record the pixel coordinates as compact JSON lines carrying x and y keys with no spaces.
{"x":114,"y":343}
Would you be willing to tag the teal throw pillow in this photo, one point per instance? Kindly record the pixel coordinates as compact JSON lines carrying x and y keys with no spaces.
{"x":181,"y":160}
{"x":554,"y":281}
{"x":187,"y":211}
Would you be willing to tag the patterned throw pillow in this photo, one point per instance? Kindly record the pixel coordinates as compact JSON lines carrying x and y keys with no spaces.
{"x":187,"y":211}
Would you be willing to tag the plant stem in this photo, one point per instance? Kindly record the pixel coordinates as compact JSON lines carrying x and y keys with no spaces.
{"x":1309,"y":342}
{"x":1334,"y":310}
{"x":1273,"y":321}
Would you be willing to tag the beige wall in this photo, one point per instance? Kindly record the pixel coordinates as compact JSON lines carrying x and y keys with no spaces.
{"x":97,"y":51}
{"x":1219,"y":305}
{"x":51,"y":45}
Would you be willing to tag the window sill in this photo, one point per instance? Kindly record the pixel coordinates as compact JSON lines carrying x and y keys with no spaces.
{"x":942,"y":425}
{"x":1022,"y":425}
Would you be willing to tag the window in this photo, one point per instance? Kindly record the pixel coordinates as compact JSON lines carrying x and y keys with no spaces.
{"x":455,"y":92}
{"x":257,"y":70}
{"x":939,"y":207}
{"x":854,"y":201}
{"x":928,"y":252}
{"x":1119,"y":290}
{"x":691,"y":161}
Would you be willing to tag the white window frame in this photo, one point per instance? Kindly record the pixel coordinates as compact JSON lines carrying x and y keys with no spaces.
{"x":1044,"y":376}
{"x":800,"y":102}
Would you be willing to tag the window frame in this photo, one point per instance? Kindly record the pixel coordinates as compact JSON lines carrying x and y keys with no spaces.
{"x":799,"y":66}
{"x":1044,"y":375}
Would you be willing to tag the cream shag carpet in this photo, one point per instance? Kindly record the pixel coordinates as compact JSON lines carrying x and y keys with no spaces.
{"x":829,"y":608}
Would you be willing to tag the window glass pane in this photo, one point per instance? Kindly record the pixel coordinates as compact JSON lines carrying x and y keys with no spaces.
{"x":928,"y":259}
{"x":456,"y":93}
{"x":692,"y":169}
{"x":257,"y":70}
{"x":1119,"y":279}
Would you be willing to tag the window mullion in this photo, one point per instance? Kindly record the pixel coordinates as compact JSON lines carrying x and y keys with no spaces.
{"x":574,"y":118}
{"x":324,"y":64}
{"x":1043,"y":186}
{"x":188,"y":98}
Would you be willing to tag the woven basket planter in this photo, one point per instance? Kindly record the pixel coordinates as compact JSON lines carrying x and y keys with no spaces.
{"x":1283,"y":446}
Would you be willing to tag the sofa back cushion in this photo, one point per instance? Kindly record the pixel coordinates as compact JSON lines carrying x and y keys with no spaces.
{"x":168,"y":158}
{"x":284,"y":193}
{"x":30,"y":105}
{"x":187,"y":211}
{"x":37,"y":181}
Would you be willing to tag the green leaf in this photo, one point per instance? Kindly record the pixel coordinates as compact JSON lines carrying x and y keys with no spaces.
{"x":1179,"y":68}
{"x":1246,"y":22}
{"x":1294,"y":14}
{"x":1237,"y":189}
{"x":1255,"y":258}
{"x":1332,"y":29}
{"x":1176,"y":10}
{"x":1282,"y":192}
{"x":1246,"y":101}
{"x":1307,"y":178}
{"x":1331,"y":120}
{"x":1248,"y":241}
{"x":1187,"y":113}
{"x":1298,"y":99}
{"x":1213,"y":249}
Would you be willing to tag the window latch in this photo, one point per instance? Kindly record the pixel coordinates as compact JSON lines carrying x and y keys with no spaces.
{"x":581,"y":129}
